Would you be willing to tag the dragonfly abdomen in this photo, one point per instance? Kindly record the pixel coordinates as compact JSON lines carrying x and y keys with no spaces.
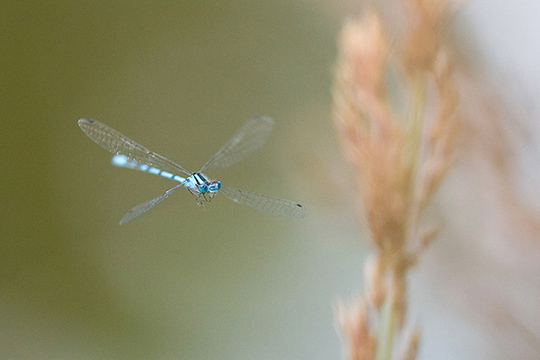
{"x":125,"y":162}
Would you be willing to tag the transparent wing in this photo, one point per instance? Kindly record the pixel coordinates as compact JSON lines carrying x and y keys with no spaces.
{"x":145,"y":206}
{"x":249,"y":138}
{"x":116,"y":143}
{"x":268,"y":204}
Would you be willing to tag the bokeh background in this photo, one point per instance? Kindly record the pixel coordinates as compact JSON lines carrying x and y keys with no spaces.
{"x":178,"y":283}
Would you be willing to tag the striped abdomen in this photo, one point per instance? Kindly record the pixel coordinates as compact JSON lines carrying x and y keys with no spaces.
{"x":125,"y":162}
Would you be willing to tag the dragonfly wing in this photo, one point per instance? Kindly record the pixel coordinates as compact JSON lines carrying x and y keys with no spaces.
{"x":145,"y":206}
{"x":249,"y":138}
{"x":116,"y":143}
{"x":268,"y":204}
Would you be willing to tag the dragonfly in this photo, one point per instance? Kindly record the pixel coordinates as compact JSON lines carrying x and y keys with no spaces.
{"x":132,"y":155}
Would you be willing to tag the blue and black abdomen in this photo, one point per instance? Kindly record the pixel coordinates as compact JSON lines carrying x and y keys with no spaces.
{"x":126,"y":162}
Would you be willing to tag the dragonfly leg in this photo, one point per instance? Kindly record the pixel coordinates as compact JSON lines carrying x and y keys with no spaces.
{"x":208,"y":196}
{"x":197,"y":198}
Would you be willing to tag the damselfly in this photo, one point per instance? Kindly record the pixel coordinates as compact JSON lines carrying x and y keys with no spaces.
{"x":132,"y":155}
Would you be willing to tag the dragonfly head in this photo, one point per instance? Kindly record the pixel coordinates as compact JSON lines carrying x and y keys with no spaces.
{"x":214,"y":186}
{"x":209,"y":187}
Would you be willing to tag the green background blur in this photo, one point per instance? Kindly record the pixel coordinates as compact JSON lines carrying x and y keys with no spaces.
{"x":180,"y":77}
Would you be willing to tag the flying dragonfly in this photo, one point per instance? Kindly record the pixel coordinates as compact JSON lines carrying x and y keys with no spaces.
{"x":130,"y":154}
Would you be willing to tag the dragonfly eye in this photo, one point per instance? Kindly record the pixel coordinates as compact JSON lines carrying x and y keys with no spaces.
{"x":214,"y":186}
{"x":203,"y":188}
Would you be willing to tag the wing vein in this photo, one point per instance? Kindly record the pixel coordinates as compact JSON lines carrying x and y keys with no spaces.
{"x":116,"y":143}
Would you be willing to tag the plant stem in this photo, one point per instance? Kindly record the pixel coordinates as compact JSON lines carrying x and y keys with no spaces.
{"x":386,"y":330}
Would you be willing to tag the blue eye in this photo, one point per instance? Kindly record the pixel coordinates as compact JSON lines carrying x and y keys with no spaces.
{"x":203,"y":188}
{"x":214,"y":186}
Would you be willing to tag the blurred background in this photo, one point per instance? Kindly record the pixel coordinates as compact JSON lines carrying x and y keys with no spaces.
{"x":181,"y":77}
